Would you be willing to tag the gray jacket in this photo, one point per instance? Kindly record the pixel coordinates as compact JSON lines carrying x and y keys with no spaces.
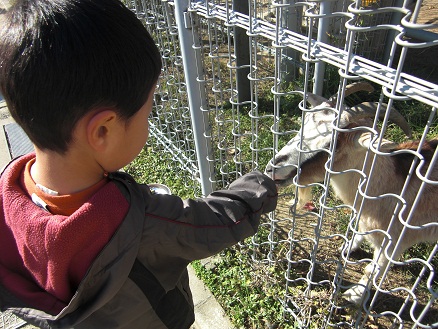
{"x":140,"y":280}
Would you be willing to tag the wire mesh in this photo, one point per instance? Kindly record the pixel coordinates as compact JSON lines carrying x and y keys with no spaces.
{"x":377,"y":41}
{"x":170,"y":122}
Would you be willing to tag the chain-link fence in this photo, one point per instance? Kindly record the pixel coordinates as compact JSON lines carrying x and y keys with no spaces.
{"x":231,"y":97}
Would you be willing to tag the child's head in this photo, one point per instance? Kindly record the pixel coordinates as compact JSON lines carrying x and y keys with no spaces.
{"x":61,"y":59}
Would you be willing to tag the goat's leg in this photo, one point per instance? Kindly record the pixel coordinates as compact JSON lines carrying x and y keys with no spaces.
{"x":359,"y":291}
{"x":373,"y":271}
{"x":357,"y":242}
{"x":303,"y":197}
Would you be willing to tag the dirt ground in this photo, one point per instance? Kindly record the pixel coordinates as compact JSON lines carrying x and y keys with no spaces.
{"x":325,"y":267}
{"x":429,"y":14}
{"x":423,"y":62}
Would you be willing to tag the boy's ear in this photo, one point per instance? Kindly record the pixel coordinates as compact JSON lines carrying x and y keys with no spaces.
{"x":99,"y":128}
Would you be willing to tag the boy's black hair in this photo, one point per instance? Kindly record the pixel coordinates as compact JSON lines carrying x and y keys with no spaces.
{"x":60,"y":59}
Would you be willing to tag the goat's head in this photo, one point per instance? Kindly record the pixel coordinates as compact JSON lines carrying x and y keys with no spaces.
{"x":310,"y":146}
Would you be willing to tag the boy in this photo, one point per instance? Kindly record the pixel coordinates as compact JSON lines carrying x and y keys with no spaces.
{"x":81,"y":245}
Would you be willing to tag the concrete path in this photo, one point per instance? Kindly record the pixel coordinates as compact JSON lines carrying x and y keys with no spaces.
{"x":209,"y":314}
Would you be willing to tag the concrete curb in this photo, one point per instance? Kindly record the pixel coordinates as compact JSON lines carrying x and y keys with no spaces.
{"x":5,"y":118}
{"x":208,"y":313}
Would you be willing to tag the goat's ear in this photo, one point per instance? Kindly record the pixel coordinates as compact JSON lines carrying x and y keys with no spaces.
{"x":365,"y":139}
{"x":316,"y":100}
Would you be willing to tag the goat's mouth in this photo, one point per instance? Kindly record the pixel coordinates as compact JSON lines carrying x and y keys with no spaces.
{"x":287,"y":180}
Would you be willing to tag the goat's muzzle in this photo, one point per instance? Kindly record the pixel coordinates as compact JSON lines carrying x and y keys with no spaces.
{"x":281,"y":174}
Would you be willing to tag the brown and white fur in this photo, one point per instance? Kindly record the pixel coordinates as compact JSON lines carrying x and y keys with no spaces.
{"x":388,"y":177}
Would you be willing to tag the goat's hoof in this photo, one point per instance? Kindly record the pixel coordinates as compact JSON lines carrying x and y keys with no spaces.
{"x":355,"y":295}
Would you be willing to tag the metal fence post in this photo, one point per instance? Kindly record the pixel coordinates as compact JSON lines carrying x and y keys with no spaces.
{"x":195,"y":94}
{"x":241,"y":46}
{"x":325,"y":8}
{"x":291,"y":20}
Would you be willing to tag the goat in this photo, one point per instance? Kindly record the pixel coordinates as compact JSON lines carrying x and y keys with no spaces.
{"x":307,"y":154}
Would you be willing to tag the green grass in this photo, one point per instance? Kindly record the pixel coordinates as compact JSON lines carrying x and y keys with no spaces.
{"x":242,"y":288}
{"x":153,"y":166}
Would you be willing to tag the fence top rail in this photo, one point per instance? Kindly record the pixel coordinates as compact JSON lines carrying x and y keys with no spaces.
{"x":359,"y":67}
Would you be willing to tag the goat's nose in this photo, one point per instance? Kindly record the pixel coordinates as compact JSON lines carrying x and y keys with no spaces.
{"x":269,"y":168}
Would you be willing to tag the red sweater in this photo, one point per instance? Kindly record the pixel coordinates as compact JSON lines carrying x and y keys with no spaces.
{"x":43,"y":257}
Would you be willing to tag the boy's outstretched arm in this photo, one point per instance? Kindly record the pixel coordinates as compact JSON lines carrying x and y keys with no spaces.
{"x":196,"y":229}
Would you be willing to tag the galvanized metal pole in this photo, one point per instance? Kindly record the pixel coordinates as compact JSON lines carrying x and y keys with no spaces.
{"x":389,"y":39}
{"x":323,"y":24}
{"x":241,"y":49}
{"x":196,"y":95}
{"x":291,"y":19}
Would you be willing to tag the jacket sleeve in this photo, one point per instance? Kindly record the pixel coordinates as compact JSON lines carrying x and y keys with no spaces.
{"x":196,"y":229}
